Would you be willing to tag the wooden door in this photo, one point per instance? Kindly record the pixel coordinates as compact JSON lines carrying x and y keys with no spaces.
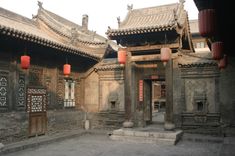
{"x":36,"y":106}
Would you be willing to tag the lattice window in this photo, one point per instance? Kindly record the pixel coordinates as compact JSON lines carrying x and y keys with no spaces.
{"x":3,"y":91}
{"x":60,"y":90}
{"x":69,"y":100}
{"x":21,"y":91}
{"x":36,"y":100}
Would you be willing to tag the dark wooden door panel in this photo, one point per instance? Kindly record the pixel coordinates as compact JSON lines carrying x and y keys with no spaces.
{"x":36,"y":106}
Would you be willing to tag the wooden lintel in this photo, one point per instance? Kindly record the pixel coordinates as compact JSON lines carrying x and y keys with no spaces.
{"x":151,"y":47}
{"x":155,"y":57}
{"x":146,"y":65}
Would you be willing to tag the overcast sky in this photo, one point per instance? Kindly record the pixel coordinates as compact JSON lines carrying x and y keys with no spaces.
{"x":102,"y":13}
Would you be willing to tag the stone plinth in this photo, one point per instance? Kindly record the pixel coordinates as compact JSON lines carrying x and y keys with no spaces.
{"x":158,"y":137}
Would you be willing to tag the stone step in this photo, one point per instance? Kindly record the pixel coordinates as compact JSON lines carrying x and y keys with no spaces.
{"x":159,"y":137}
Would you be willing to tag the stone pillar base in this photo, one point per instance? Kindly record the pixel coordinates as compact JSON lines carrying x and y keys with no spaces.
{"x":169,"y":126}
{"x":128,"y":124}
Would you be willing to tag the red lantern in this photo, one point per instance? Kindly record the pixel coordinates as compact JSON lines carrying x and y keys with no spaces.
{"x":67,"y":69}
{"x":206,"y":19}
{"x":25,"y":61}
{"x":217,"y":50}
{"x":223,"y":62}
{"x":122,"y":56}
{"x":165,"y":54}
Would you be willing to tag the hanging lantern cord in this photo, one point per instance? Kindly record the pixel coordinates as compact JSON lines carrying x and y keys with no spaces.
{"x":66,"y":60}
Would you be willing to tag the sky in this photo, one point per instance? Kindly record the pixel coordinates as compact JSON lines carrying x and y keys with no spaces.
{"x":102,"y":13}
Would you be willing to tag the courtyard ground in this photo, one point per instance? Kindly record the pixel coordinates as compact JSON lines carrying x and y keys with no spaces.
{"x":99,"y":144}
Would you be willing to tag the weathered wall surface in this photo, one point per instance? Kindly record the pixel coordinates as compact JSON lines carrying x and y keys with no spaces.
{"x":227,"y":92}
{"x":199,"y":93}
{"x":61,"y":120}
{"x":104,"y":92}
{"x":111,"y":95}
{"x":91,"y":97}
{"x":13,"y":126}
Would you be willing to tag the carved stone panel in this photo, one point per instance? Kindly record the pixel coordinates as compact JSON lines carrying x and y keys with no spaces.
{"x":200,"y":95}
{"x":111,"y":96}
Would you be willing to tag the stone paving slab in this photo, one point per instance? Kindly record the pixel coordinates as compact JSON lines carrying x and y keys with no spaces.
{"x":46,"y":139}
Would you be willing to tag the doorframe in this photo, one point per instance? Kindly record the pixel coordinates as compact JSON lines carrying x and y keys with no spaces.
{"x":149,"y":81}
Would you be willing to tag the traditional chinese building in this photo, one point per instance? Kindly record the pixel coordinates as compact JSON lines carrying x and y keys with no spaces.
{"x":199,"y":42}
{"x":187,"y":86}
{"x":42,"y":99}
{"x":221,"y":33}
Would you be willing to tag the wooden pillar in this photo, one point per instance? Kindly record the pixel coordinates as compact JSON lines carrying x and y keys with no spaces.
{"x":169,"y":124}
{"x":128,"y":87}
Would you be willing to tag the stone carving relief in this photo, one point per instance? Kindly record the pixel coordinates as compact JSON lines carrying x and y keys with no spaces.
{"x":194,"y":88}
{"x":113,"y":101}
{"x":200,"y":101}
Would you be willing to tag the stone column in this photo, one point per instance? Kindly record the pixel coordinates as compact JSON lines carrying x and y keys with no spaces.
{"x":169,"y":123}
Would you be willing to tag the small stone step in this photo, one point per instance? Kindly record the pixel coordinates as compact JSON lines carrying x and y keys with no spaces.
{"x":161,"y":137}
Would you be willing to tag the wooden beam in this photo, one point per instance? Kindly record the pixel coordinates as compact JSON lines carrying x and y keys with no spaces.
{"x":152,"y":47}
{"x":152,"y":65}
{"x":141,"y":58}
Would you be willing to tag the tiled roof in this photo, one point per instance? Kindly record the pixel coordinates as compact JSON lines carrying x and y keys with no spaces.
{"x":63,"y":27}
{"x":108,"y":65}
{"x":37,"y":31}
{"x":154,"y":19}
{"x":188,"y":60}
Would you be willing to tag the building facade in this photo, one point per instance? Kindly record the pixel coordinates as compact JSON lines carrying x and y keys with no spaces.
{"x":187,"y":86}
{"x":188,"y":91}
{"x":42,"y":99}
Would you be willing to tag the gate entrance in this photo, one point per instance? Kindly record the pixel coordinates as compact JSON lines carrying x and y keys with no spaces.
{"x":36,"y":107}
{"x":154,"y":101}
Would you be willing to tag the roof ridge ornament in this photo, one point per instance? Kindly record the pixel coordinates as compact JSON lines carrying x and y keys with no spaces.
{"x":129,"y":7}
{"x":175,"y":15}
{"x":40,"y":4}
{"x":182,"y":2}
{"x":119,"y":21}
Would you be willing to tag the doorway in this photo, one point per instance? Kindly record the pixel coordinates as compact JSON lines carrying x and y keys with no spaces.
{"x":154,"y":101}
{"x":158,"y":101}
{"x":36,"y":107}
